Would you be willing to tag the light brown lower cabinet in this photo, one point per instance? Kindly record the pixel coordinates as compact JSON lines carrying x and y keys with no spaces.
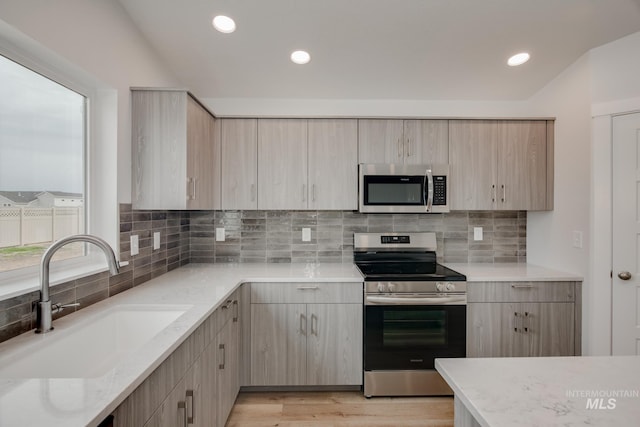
{"x":306,"y":334}
{"x":196,"y":386}
{"x":523,"y":319}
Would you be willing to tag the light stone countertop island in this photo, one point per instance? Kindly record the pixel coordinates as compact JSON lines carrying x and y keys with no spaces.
{"x":544,"y":391}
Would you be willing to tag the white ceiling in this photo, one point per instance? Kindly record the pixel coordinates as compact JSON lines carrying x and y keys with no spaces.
{"x":378,"y":49}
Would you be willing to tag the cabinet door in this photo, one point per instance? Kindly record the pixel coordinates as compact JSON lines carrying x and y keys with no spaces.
{"x":201,"y":166}
{"x":495,"y":330}
{"x":380,"y":141}
{"x":426,"y":141}
{"x":522,"y":165}
{"x":239,"y":163}
{"x":278,"y":344}
{"x":282,"y":169}
{"x":472,"y":154}
{"x":227,"y":365}
{"x":333,"y":164}
{"x":173,"y":411}
{"x":334,"y":344}
{"x":550,"y":328}
{"x":159,"y":149}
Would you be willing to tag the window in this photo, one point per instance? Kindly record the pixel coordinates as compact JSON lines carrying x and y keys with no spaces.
{"x":42,"y":162}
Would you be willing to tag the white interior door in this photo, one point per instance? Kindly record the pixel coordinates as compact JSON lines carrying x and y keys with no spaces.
{"x":626,"y":235}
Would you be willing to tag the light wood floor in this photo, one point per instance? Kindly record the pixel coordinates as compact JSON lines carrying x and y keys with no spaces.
{"x":338,"y":409}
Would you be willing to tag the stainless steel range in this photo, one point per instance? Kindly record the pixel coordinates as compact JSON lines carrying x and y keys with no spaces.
{"x":415,"y":311}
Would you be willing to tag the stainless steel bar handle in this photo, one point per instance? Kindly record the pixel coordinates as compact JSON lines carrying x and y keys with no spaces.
{"x":525,"y":322}
{"x":504,"y":193}
{"x":189,"y":188}
{"x":408,"y":147}
{"x":194,"y":187}
{"x":429,"y":178}
{"x":314,"y":325}
{"x":515,"y":321}
{"x":192,"y":414}
{"x":313,"y":191}
{"x":182,"y":405}
{"x":307,"y":288}
{"x":236,"y":310}
{"x":303,"y":324}
{"x":493,"y":193}
{"x":227,"y":304}
{"x":418,"y":300}
{"x":224,"y":356}
{"x":399,"y":147}
{"x":515,"y":286}
{"x":304,"y":192}
{"x":253,"y":192}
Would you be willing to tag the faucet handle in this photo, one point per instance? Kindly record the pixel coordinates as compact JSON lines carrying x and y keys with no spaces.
{"x":57,"y":308}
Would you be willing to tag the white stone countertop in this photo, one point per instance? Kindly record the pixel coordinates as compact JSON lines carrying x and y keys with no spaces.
{"x":69,"y":402}
{"x":547,"y":391}
{"x":511,"y":272}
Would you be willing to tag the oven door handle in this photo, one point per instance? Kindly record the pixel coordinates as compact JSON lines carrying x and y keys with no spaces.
{"x":418,"y":300}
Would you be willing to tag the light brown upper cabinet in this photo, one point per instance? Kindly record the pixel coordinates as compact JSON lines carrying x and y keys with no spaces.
{"x":175,"y":152}
{"x":403,"y":141}
{"x":333,"y":164}
{"x":307,"y":164}
{"x":501,"y":164}
{"x":239,"y":163}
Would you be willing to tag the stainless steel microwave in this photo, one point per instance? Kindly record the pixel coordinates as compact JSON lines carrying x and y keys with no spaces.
{"x":399,"y":188}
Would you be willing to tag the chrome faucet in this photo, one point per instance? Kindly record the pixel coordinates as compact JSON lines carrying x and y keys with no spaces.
{"x":43,"y":308}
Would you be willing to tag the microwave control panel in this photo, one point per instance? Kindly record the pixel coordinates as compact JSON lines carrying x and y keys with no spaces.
{"x":439,"y":190}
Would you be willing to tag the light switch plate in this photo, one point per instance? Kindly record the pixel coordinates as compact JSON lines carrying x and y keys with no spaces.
{"x":477,"y":233}
{"x":306,"y":234}
{"x":135,"y":248}
{"x":156,"y":240}
{"x":577,"y":239}
{"x":220,"y":237}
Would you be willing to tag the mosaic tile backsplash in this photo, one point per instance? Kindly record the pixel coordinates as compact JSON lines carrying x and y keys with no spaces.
{"x":267,"y":236}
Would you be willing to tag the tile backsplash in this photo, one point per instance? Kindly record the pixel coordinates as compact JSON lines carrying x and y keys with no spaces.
{"x":267,"y":236}
{"x":276,"y":236}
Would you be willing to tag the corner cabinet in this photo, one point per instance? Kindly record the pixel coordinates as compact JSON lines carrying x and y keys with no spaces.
{"x":198,"y":383}
{"x":511,"y":319}
{"x":306,"y":334}
{"x":501,"y":164}
{"x":307,"y":164}
{"x":175,"y":152}
{"x":403,"y":141}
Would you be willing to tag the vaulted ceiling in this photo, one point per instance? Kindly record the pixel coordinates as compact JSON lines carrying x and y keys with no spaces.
{"x":378,"y":49}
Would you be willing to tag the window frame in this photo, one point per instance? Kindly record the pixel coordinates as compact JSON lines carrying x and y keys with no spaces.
{"x":100,"y":161}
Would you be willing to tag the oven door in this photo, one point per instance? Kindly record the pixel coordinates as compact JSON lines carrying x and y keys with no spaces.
{"x":411,"y":337}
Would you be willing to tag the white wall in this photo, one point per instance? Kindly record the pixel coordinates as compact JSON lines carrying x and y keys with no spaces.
{"x":100,"y":38}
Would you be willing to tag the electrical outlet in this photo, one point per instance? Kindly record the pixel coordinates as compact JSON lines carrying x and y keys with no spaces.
{"x":220,"y":237}
{"x":577,"y":239}
{"x":306,"y":234}
{"x":156,"y":240}
{"x":477,"y":233}
{"x":135,"y":247}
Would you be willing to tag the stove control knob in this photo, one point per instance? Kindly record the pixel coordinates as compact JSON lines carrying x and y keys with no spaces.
{"x":450,"y":287}
{"x":439,"y":287}
{"x":380,"y":287}
{"x":391,"y":287}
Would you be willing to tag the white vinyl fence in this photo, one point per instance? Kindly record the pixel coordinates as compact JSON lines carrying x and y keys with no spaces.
{"x":27,"y":226}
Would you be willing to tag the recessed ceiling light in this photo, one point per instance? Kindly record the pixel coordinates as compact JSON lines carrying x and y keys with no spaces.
{"x":518,"y":59}
{"x":224,"y":24}
{"x":300,"y":57}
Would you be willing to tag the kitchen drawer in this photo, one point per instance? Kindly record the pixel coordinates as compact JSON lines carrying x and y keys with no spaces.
{"x":302,"y":293}
{"x":521,"y":291}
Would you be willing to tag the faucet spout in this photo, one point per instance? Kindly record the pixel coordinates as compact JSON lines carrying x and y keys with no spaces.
{"x":44,"y":316}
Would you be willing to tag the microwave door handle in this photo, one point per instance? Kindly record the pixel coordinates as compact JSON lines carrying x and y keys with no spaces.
{"x":428,"y":178}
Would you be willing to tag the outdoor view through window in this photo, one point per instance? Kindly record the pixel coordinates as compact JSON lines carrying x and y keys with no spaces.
{"x":42,"y":142}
